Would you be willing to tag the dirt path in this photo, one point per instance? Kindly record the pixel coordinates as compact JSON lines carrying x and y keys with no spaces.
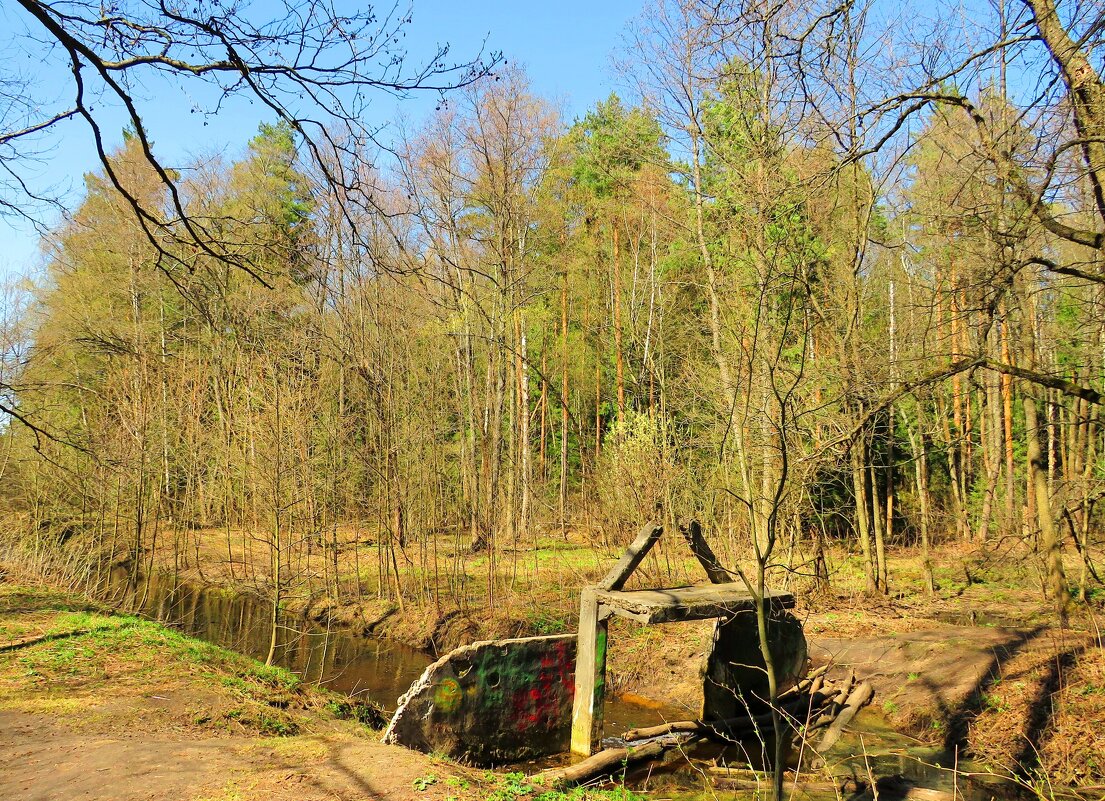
{"x":44,"y":761}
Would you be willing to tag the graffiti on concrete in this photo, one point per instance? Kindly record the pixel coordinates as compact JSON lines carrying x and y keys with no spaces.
{"x":448,"y":695}
{"x":492,"y":702}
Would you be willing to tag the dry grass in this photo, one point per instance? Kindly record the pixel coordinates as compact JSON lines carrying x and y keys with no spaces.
{"x":1074,"y":751}
{"x":1015,"y":716}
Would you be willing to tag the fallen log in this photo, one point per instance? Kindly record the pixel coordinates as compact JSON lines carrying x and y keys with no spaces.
{"x":858,"y":698}
{"x":805,"y":683}
{"x":846,"y":687}
{"x":611,"y":760}
{"x":821,"y":721}
{"x":816,"y":685}
{"x":838,"y":702}
{"x":646,"y":732}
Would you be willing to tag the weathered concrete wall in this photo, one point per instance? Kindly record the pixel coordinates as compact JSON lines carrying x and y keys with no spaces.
{"x":735,"y":666}
{"x":492,"y":702}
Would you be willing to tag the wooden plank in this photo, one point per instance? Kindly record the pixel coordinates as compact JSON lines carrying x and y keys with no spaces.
{"x":702,"y":551}
{"x":590,"y":680}
{"x":632,"y":557}
{"x":687,"y":603}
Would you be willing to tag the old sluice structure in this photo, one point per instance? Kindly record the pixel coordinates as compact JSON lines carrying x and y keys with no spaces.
{"x":509,"y":700}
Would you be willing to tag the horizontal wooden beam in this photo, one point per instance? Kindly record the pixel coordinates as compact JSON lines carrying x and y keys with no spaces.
{"x":677,"y":604}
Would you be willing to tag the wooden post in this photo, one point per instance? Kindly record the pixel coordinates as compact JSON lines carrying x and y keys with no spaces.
{"x":590,"y":682}
{"x":702,"y":551}
{"x":591,"y":649}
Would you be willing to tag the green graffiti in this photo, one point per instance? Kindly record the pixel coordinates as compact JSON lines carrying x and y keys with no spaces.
{"x":499,"y":676}
{"x":448,"y":695}
{"x":600,"y":650}
{"x":600,"y":661}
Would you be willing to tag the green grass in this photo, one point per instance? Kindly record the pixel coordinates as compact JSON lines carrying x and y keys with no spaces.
{"x":545,"y":622}
{"x":515,"y":786}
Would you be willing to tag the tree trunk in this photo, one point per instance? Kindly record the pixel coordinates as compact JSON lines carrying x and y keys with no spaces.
{"x":1050,"y":545}
{"x":618,"y":356}
{"x":563,"y":495}
{"x":880,"y":534}
{"x":859,"y":487}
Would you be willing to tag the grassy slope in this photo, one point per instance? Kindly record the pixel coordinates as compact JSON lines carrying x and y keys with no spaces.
{"x":96,"y":668}
{"x":125,"y":708}
{"x":104,"y":706}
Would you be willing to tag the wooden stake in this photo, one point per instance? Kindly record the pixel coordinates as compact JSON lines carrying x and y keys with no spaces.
{"x":590,"y":684}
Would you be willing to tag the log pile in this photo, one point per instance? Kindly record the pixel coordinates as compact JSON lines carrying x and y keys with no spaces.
{"x":613,"y":761}
{"x":814,"y":710}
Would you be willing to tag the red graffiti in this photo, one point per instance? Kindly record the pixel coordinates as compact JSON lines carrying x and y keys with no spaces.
{"x":547,"y":702}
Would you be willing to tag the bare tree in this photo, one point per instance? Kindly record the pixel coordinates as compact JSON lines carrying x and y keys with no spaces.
{"x":307,"y":64}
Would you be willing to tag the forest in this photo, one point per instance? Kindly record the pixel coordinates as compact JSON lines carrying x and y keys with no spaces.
{"x":711,"y":303}
{"x":826,"y":278}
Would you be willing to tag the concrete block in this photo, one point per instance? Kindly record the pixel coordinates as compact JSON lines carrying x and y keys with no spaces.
{"x":492,"y":702}
{"x":735,"y":666}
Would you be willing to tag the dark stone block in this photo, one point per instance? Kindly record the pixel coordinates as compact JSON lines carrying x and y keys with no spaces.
{"x":736,"y":677}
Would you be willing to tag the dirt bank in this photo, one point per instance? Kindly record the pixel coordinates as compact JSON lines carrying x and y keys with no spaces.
{"x":981,"y":667}
{"x":1013,"y":689}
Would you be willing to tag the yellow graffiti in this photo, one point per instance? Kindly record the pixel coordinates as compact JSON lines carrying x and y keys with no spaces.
{"x":448,"y":695}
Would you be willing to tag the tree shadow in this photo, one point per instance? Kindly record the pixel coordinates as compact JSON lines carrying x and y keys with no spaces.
{"x":1042,"y":707}
{"x":959,"y":720}
{"x":338,"y":761}
{"x":332,"y":775}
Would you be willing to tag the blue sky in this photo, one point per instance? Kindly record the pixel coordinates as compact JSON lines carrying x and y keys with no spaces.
{"x":564,"y":46}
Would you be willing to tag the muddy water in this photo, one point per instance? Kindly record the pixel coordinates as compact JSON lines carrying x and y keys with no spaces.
{"x":367,"y":667}
{"x":882,"y":751}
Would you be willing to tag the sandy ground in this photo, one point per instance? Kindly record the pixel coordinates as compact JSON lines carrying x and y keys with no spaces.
{"x":44,"y":761}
